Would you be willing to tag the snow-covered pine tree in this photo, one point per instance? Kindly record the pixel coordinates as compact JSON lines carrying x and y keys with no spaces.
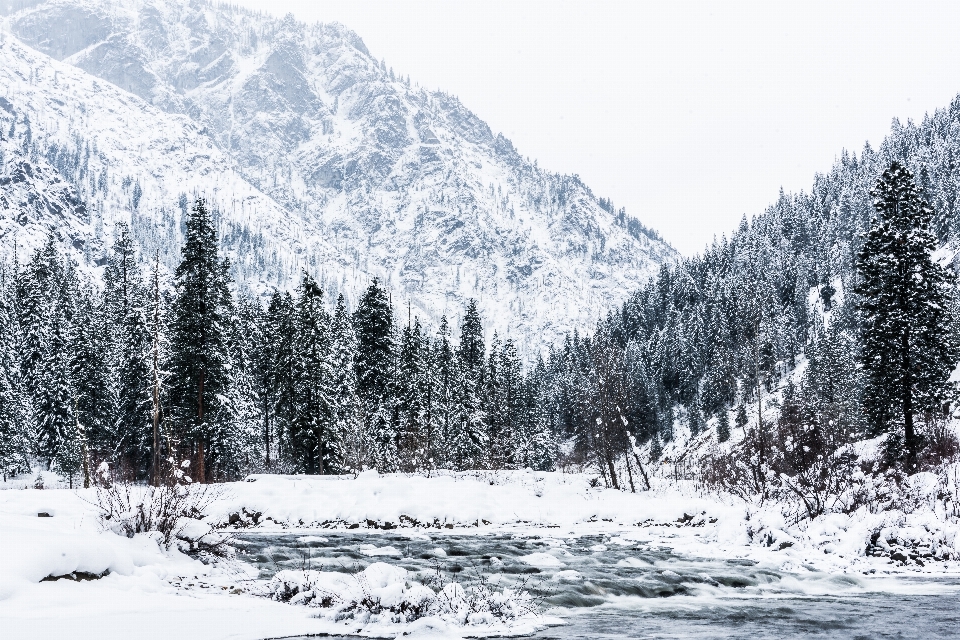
{"x":90,"y":373}
{"x":510,"y":405}
{"x":237,"y":431}
{"x":411,"y":399}
{"x":200,"y":378}
{"x":57,"y":442}
{"x":374,"y":366}
{"x":723,"y":426}
{"x":346,"y":432}
{"x":125,"y":309}
{"x":313,"y":417}
{"x":259,"y":351}
{"x":15,"y":406}
{"x":908,"y":349}
{"x":36,"y":291}
{"x":281,"y":336}
{"x":495,"y":410}
{"x":538,"y":447}
{"x":442,"y":397}
{"x":468,"y":440}
{"x":832,"y":383}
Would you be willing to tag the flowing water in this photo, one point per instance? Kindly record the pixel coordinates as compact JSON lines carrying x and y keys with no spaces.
{"x":606,"y":589}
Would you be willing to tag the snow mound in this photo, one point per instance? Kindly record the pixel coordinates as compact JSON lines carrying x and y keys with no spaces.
{"x":381,"y":597}
{"x":544,"y":560}
{"x":371,"y":550}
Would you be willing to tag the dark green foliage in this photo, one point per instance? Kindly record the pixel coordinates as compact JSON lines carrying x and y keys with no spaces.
{"x":723,"y":426}
{"x":199,"y":360}
{"x":90,"y":369}
{"x":129,"y":349}
{"x":280,"y":335}
{"x":907,"y":347}
{"x":467,"y":446}
{"x":57,"y":441}
{"x":374,"y":364}
{"x":373,"y":325}
{"x":312,"y":427}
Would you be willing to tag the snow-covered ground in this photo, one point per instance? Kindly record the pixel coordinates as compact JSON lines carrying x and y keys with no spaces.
{"x":166,"y":594}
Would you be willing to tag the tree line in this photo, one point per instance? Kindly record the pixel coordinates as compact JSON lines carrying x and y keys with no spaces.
{"x":136,"y":371}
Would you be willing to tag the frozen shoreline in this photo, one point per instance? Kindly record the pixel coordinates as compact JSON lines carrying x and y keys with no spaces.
{"x":150,"y":588}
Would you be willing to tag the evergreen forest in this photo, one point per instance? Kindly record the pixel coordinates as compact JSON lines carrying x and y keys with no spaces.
{"x":826,"y":320}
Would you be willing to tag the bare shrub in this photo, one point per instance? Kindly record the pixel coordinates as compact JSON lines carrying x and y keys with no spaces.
{"x":172,"y":511}
{"x":940,"y":443}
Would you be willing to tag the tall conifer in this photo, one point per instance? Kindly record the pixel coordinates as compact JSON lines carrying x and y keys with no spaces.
{"x":199,"y":372}
{"x":908,"y":350}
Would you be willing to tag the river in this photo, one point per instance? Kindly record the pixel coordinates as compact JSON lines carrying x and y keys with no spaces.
{"x":605,"y":587}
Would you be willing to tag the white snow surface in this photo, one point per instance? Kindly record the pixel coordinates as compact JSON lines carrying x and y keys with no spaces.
{"x":166,"y":594}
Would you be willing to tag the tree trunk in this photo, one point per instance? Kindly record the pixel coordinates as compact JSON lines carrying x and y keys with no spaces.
{"x":643,"y":472}
{"x":909,"y":435}
{"x":201,"y":463}
{"x":630,"y":475}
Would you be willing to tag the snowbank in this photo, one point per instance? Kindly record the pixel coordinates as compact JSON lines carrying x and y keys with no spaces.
{"x":63,"y":575}
{"x":450,"y":500}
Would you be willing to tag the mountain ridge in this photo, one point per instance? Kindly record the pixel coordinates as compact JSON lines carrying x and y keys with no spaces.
{"x":408,"y":185}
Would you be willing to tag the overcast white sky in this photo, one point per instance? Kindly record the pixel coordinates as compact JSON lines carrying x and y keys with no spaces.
{"x":690,"y":114}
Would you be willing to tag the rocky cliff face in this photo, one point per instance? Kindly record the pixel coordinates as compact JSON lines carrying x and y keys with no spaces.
{"x":377,"y":175}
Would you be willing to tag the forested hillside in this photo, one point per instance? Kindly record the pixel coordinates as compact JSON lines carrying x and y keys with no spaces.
{"x":774,"y":302}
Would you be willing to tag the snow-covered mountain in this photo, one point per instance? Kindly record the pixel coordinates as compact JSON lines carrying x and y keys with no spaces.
{"x":79,"y":155}
{"x":356,"y":172}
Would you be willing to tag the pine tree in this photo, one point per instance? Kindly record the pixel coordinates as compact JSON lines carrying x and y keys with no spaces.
{"x":281,"y":332}
{"x":15,"y":407}
{"x":347,"y":441}
{"x":90,"y":373}
{"x":56,"y":440}
{"x":36,"y":291}
{"x":723,"y":426}
{"x":373,"y":326}
{"x":261,"y":344}
{"x":199,"y":360}
{"x":908,"y":350}
{"x":468,"y":440}
{"x":374,"y":367}
{"x":411,"y":400}
{"x":536,"y":446}
{"x":124,"y":306}
{"x":313,"y":417}
{"x":509,"y":407}
{"x":442,"y":367}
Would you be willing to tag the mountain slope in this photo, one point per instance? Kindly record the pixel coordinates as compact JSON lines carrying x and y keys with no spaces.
{"x":80,"y":155}
{"x":407,"y":184}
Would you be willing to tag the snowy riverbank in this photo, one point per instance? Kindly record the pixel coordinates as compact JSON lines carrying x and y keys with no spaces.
{"x":169,"y":594}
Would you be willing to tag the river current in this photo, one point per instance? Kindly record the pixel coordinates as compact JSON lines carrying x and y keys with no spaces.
{"x":605,"y":587}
